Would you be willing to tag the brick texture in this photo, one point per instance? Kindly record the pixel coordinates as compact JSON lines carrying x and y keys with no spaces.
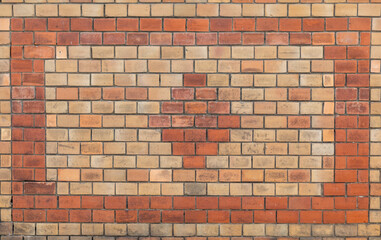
{"x":190,"y":119}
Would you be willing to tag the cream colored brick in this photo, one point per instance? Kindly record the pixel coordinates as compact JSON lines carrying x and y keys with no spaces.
{"x":47,"y":228}
{"x":276,"y":10}
{"x":231,"y":229}
{"x":69,"y":229}
{"x":126,"y":188}
{"x":92,"y":229}
{"x":66,"y":66}
{"x":286,"y":52}
{"x":149,"y":52}
{"x":265,"y":52}
{"x":126,"y":52}
{"x":149,"y":188}
{"x":114,"y":229}
{"x":185,"y":10}
{"x":103,"y":52}
{"x":69,"y":10}
{"x":116,"y":10}
{"x":299,"y":10}
{"x":23,"y":10}
{"x":242,"y":52}
{"x":138,"y":10}
{"x":312,"y":52}
{"x":161,"y":230}
{"x":184,"y":229}
{"x":205,"y":10}
{"x":369,"y":10}
{"x":322,"y":230}
{"x":345,"y":9}
{"x":104,"y":188}
{"x":21,"y":228}
{"x":300,"y":230}
{"x":277,"y":229}
{"x":161,"y":10}
{"x":196,"y":52}
{"x":253,"y":10}
{"x":172,"y":52}
{"x":138,"y":229}
{"x":92,"y":10}
{"x":310,"y":189}
{"x":46,"y":10}
{"x":240,"y":189}
{"x":322,"y":10}
{"x":147,"y":162}
{"x":253,"y":229}
{"x":207,"y":229}
{"x":286,"y":189}
{"x":80,"y":188}
{"x":208,"y":66}
{"x":6,"y":10}
{"x":368,"y":230}
{"x":263,"y":189}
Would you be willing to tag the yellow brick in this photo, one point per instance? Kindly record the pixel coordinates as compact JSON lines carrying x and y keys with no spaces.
{"x":46,"y":10}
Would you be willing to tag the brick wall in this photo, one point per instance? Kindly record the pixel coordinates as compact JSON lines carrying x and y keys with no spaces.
{"x":190,"y":119}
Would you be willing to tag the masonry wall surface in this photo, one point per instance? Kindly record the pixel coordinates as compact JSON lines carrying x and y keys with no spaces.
{"x":190,"y":120}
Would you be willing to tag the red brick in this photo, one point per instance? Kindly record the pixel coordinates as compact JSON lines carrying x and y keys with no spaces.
{"x":334,"y":189}
{"x":322,"y":203}
{"x":104,"y":24}
{"x":229,"y":121}
{"x":244,"y":24}
{"x":230,"y":203}
{"x":149,"y":216}
{"x":358,"y":189}
{"x":39,"y":52}
{"x":290,"y":24}
{"x":70,"y":38}
{"x":229,"y":38}
{"x":310,"y":216}
{"x":360,"y":24}
{"x":126,"y":216}
{"x":173,"y":135}
{"x":300,"y":38}
{"x":81,"y":24}
{"x":183,"y":148}
{"x":23,"y":202}
{"x":183,"y":38}
{"x":115,"y":202}
{"x":136,"y":93}
{"x":57,"y":215}
{"x":206,"y":121}
{"x":206,"y":93}
{"x":127,"y":24}
{"x":194,"y":80}
{"x":69,"y":202}
{"x":206,"y":38}
{"x":287,"y":216}
{"x":218,"y":216}
{"x":195,"y":135}
{"x":330,"y":217}
{"x":42,"y":38}
{"x":346,"y":94}
{"x":218,"y":135}
{"x":58,"y":24}
{"x":21,"y":38}
{"x":335,"y":52}
{"x":150,"y":24}
{"x":195,"y":216}
{"x":182,"y":121}
{"x":268,"y":216}
{"x":161,"y":38}
{"x":194,"y":161}
{"x":33,"y":215}
{"x":336,"y":24}
{"x":135,"y":202}
{"x":358,"y":52}
{"x":323,"y":38}
{"x":184,"y":203}
{"x":267,"y":24}
{"x":276,"y":203}
{"x":92,"y":202}
{"x":313,"y":24}
{"x":253,"y":203}
{"x":207,"y":202}
{"x":103,"y":216}
{"x":114,"y":38}
{"x":195,"y":107}
{"x":80,"y":216}
{"x":172,"y":216}
{"x":206,"y":148}
{"x":172,"y":107}
{"x":174,"y":24}
{"x":253,"y":38}
{"x":183,"y":93}
{"x":91,"y":38}
{"x":242,"y":217}
{"x":197,"y":25}
{"x":161,"y":202}
{"x":137,"y":38}
{"x":221,"y":24}
{"x":159,"y":121}
{"x":277,"y":38}
{"x":347,"y":38}
{"x":35,"y":24}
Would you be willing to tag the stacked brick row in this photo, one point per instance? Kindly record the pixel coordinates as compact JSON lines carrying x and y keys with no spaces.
{"x":180,"y":120}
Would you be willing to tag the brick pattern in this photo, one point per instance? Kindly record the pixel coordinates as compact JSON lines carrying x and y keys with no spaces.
{"x":190,"y":119}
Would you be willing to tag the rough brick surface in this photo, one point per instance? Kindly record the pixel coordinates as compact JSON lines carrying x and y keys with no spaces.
{"x":190,"y":119}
